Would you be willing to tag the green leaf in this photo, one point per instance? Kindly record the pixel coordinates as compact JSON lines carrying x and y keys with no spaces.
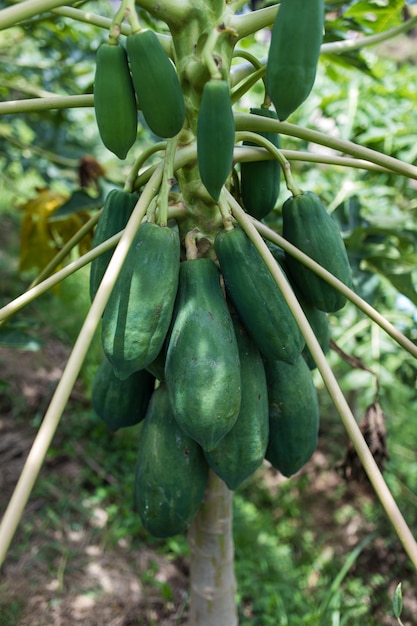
{"x":397,"y":601}
{"x":79,"y":200}
{"x":10,"y":338}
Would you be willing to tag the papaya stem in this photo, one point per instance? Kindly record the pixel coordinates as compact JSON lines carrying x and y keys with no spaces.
{"x":225,"y":212}
{"x":190,"y":242}
{"x":11,"y":15}
{"x":28,"y":476}
{"x":212,"y":596}
{"x":249,"y":23}
{"x":257,"y":123}
{"x":277,"y":154}
{"x":140,"y":161}
{"x":167,"y":180}
{"x":129,"y":9}
{"x":207,"y":55}
{"x":244,"y":86}
{"x":115,"y":27}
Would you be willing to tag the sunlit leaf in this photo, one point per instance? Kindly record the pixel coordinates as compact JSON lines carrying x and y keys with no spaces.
{"x":397,"y":600}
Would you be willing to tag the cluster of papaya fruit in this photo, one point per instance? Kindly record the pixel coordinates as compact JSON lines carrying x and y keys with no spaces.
{"x":202,"y":346}
{"x":131,"y":75}
{"x":209,"y":355}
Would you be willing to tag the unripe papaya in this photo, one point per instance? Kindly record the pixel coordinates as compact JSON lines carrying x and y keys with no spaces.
{"x":114,"y":100}
{"x":242,"y":449}
{"x":202,"y":370}
{"x":121,"y":403}
{"x":156,"y":84}
{"x":171,"y":472}
{"x":293,"y":55}
{"x":137,"y":316}
{"x":117,"y":209}
{"x":256,"y":297}
{"x":293,"y":415}
{"x":308,"y":226}
{"x":260,"y":180}
{"x":317,"y":319}
{"x":215,"y":136}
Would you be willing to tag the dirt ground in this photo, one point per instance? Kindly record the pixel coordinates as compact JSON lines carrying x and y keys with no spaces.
{"x":62,"y":574}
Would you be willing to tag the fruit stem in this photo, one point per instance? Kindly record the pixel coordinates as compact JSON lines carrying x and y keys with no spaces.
{"x":277,"y":154}
{"x":207,"y":55}
{"x":129,"y":10}
{"x":167,"y":181}
{"x":225,"y":212}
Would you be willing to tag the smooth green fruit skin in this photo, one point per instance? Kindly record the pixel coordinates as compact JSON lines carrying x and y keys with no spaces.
{"x":156,"y":84}
{"x":293,"y":54}
{"x":117,"y":209}
{"x":260,"y":180}
{"x":171,"y":472}
{"x":293,"y":415}
{"x":120,"y":403}
{"x":317,"y":319}
{"x":137,"y":316}
{"x":215,"y":136}
{"x":202,"y":370}
{"x":242,"y":449}
{"x":307,"y":225}
{"x":114,"y":100}
{"x":320,"y":326}
{"x":257,"y":298}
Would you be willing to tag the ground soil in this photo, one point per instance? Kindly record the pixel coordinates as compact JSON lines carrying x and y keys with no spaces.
{"x":60,"y":575}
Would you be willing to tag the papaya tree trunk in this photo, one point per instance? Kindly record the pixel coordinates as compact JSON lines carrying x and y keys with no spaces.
{"x":212,"y":576}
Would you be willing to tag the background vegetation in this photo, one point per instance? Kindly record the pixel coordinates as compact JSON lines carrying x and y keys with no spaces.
{"x":315,"y":549}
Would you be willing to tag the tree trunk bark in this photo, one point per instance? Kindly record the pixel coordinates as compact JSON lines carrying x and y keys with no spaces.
{"x":212,"y":576}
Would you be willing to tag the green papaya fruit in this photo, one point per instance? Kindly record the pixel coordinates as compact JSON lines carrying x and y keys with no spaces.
{"x":307,"y":225}
{"x":202,"y":370}
{"x":293,"y":54}
{"x":293,"y":415}
{"x":120,"y":403}
{"x":260,"y":180}
{"x":117,"y":209}
{"x":256,"y":297}
{"x":138,"y":314}
{"x":156,"y":84}
{"x":114,"y":100}
{"x":171,"y":472}
{"x":317,"y":319}
{"x":215,"y":136}
{"x":242,"y":449}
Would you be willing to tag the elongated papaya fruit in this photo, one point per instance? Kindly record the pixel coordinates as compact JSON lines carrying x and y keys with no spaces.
{"x":114,"y":100}
{"x":317,"y":319}
{"x":117,"y":209}
{"x":121,"y":403}
{"x":260,"y":180}
{"x":171,"y":472}
{"x":307,"y":225}
{"x":293,"y":415}
{"x":242,"y":449}
{"x":293,"y":54}
{"x":137,"y":316}
{"x":215,"y":136}
{"x":156,"y":84}
{"x":202,"y":370}
{"x":256,"y":297}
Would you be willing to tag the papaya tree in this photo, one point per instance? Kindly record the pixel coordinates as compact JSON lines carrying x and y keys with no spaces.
{"x":212,"y":315}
